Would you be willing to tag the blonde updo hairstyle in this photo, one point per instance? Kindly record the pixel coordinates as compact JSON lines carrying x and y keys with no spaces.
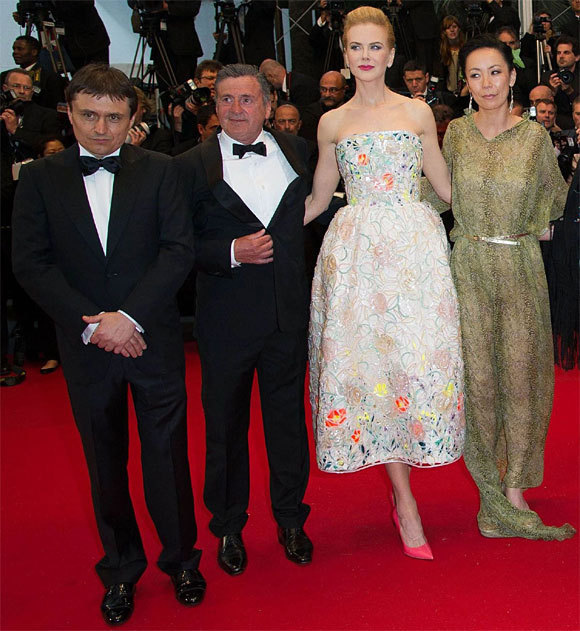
{"x":368,"y":15}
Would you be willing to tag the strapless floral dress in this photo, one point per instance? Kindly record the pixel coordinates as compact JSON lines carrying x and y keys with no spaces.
{"x":386,"y":375}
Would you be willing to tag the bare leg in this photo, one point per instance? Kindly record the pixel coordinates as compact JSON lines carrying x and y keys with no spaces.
{"x":411,"y":529}
{"x":516,"y":498}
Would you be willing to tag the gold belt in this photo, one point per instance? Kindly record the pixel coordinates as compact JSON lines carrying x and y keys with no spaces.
{"x":509,"y":239}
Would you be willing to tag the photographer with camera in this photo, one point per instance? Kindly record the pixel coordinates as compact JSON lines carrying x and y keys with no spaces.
{"x":48,"y":85}
{"x":145,"y":131}
{"x":565,"y":81}
{"x":325,"y":37}
{"x":187,"y":98}
{"x":421,"y":85}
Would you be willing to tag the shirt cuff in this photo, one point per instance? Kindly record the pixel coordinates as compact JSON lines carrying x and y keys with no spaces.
{"x":233,"y":261}
{"x":88,"y":332}
{"x":137,"y":325}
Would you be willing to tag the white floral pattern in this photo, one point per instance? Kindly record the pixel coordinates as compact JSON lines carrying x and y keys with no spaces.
{"x":386,"y":375}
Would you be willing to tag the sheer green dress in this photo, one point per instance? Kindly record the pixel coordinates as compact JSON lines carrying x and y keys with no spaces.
{"x":508,"y":187}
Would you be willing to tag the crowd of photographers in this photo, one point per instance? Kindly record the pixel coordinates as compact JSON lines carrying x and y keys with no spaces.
{"x":34,"y":120}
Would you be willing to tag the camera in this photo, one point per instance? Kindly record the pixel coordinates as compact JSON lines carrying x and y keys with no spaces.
{"x":189,"y":91}
{"x":431,"y":96}
{"x":566,"y":76}
{"x":538,"y":27}
{"x":473,"y":10}
{"x":151,"y":6}
{"x":36,"y":11}
{"x":142,"y":126}
{"x":8,"y":101}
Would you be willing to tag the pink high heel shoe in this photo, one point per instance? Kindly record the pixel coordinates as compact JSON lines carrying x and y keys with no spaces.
{"x":422,"y":552}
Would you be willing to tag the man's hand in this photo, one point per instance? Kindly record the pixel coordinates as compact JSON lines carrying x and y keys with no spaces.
{"x":254,"y":248}
{"x":137,"y":136}
{"x":114,"y":332}
{"x":557,"y":84}
{"x":10,"y":120}
{"x":135,"y":346}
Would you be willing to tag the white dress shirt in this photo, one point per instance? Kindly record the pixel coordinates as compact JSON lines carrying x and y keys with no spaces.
{"x":99,"y":189}
{"x":260,"y":181}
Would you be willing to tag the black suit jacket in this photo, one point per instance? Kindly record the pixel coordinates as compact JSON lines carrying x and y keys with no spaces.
{"x":250,"y":299}
{"x":58,"y":259}
{"x":37,"y":123}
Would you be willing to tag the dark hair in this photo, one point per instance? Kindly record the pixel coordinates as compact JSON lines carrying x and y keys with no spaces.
{"x":567,"y":39}
{"x":207,"y":65}
{"x":236,"y":71}
{"x":102,"y":80}
{"x":205,"y":112}
{"x":16,"y":71}
{"x":485,"y":41}
{"x":547,"y":102}
{"x":413,"y":65}
{"x":507,"y":29}
{"x":442,"y":112}
{"x":31,"y":41}
{"x":41,"y":146}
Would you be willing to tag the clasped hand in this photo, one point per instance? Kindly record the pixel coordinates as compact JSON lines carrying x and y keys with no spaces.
{"x":256,"y":248}
{"x":116,"y":333}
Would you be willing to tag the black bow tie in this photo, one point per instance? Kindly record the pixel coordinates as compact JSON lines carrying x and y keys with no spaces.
{"x":90,"y":165}
{"x":241,"y":150}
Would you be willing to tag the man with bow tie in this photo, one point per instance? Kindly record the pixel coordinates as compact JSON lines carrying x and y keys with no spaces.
{"x":103,"y":241}
{"x":246,"y":189}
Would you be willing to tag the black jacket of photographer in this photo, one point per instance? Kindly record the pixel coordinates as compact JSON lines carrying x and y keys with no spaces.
{"x":563,"y":100}
{"x":36,"y":122}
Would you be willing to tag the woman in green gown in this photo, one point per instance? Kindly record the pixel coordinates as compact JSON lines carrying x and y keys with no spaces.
{"x":506,"y":188}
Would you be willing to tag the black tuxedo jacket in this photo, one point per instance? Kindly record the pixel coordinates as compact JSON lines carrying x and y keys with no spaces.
{"x":58,"y":259}
{"x":250,"y":299}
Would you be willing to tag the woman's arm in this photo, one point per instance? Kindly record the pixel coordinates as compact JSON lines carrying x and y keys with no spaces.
{"x":434,"y":166}
{"x":326,"y":176}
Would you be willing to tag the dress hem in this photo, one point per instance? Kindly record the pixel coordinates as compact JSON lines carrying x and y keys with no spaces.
{"x":383,"y":462}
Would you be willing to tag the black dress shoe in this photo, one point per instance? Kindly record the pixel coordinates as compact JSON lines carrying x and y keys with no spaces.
{"x":117,"y":605}
{"x":189,"y":587}
{"x":297,"y":545}
{"x":232,"y":556}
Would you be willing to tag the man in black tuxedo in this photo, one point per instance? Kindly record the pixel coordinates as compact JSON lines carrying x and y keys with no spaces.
{"x":102,"y":241}
{"x":295,"y":87}
{"x":247,"y":202}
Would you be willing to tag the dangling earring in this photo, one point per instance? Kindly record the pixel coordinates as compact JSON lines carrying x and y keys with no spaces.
{"x":470,"y":108}
{"x":511,"y":99}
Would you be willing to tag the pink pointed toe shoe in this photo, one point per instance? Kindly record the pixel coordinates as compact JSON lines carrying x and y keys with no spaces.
{"x":422,"y":552}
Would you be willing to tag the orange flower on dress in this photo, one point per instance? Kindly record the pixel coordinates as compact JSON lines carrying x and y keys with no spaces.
{"x":363,"y":159}
{"x":356,"y":435}
{"x":402,"y":403}
{"x":460,"y":402}
{"x":417,"y":429}
{"x":388,"y":181}
{"x":335,"y":418}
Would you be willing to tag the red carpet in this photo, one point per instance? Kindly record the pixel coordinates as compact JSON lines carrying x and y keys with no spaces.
{"x":359,"y":578}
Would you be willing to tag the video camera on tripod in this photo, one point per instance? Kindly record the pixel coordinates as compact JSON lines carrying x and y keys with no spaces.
{"x":337,"y":10}
{"x":227,"y":19}
{"x":33,"y":12}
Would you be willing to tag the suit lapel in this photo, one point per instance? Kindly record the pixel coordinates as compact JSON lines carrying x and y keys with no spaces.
{"x":288,"y":149}
{"x":212,"y":161}
{"x":68,"y":181}
{"x":127,"y":182}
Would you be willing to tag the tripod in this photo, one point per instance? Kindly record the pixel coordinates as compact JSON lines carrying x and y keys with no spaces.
{"x":48,"y":36}
{"x":149,"y":36}
{"x":543,"y":61}
{"x":228,"y":19}
{"x":392,"y":12}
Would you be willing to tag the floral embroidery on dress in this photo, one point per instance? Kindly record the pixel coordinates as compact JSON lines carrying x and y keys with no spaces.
{"x":386,"y":377}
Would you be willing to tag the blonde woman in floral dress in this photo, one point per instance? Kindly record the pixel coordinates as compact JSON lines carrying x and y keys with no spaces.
{"x":385,"y":355}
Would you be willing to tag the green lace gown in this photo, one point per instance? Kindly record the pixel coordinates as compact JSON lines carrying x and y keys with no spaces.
{"x":507,"y":186}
